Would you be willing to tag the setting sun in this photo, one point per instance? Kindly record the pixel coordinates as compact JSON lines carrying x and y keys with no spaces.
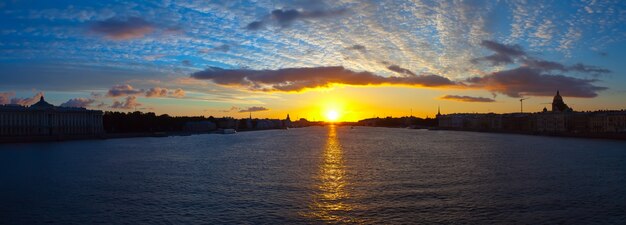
{"x":332,"y":115}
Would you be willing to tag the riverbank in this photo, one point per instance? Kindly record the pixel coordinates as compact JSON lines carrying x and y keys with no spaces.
{"x":610,"y":136}
{"x":57,"y":138}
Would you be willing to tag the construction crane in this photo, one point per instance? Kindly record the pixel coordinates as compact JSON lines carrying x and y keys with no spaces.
{"x":521,"y":104}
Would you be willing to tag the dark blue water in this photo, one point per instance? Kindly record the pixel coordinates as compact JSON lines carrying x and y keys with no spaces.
{"x":316,"y":175}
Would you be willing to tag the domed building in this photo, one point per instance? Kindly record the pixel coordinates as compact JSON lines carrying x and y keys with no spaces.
{"x":558,"y":105}
{"x":45,"y":119}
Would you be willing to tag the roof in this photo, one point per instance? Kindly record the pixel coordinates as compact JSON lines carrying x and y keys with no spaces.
{"x":42,"y":104}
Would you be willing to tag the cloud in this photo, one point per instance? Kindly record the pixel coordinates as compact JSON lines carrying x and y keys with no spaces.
{"x":129,"y":103}
{"x":254,"y":109}
{"x":156,"y":92}
{"x":466,"y":98}
{"x":27,"y":101}
{"x":186,"y":63}
{"x":299,"y":79}
{"x":5,"y":97}
{"x":232,"y":109}
{"x":358,"y":48}
{"x":123,"y":29}
{"x":285,"y":17}
{"x":123,"y":90}
{"x":256,"y":25}
{"x":544,"y":65}
{"x":178,"y":93}
{"x":164,"y":92}
{"x":398,"y":69}
{"x":78,"y":102}
{"x":504,"y":54}
{"x":523,"y":81}
{"x":222,"y":48}
{"x":579,"y":67}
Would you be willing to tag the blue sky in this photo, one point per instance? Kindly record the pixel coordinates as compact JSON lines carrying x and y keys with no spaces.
{"x":85,"y":49}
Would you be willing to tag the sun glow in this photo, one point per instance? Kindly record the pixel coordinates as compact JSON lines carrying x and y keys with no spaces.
{"x":332,"y":115}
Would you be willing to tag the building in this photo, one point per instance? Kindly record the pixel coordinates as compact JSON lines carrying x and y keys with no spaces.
{"x":560,"y":120}
{"x":558,"y":105}
{"x":608,"y":122}
{"x":44,"y":119}
{"x":557,"y":120}
{"x":199,"y":126}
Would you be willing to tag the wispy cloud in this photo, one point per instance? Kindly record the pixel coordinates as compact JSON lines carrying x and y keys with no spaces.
{"x":78,"y":102}
{"x":123,"y":29}
{"x":27,"y":101}
{"x":464,"y":98}
{"x":285,"y":17}
{"x":254,"y":109}
{"x":5,"y":97}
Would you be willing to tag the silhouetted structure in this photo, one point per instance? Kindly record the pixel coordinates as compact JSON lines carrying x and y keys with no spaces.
{"x":45,"y":119}
{"x":139,"y":122}
{"x":558,"y":105}
{"x":413,"y":122}
{"x":561,"y":120}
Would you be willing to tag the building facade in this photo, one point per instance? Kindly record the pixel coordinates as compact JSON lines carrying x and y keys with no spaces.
{"x":44,"y":119}
{"x":561,"y":119}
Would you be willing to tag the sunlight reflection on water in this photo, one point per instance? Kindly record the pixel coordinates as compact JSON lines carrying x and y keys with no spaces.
{"x":329,"y":202}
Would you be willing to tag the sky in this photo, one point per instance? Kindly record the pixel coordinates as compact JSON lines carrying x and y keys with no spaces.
{"x":310,"y":58}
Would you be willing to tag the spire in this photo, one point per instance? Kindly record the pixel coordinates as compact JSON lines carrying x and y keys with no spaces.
{"x":557,"y":92}
{"x":438,"y":110}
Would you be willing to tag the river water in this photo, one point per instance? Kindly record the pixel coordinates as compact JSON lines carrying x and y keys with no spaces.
{"x":316,"y":175}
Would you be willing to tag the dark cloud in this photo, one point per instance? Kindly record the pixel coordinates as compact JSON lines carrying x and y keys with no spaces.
{"x":186,"y":63}
{"x":508,"y":54}
{"x":464,"y":98}
{"x":129,"y":103}
{"x":523,"y":81}
{"x":256,"y":25}
{"x":401,"y":70}
{"x":5,"y":97}
{"x":544,"y":65}
{"x":579,"y":67}
{"x":123,"y":29}
{"x":358,"y":48}
{"x":503,"y":54}
{"x":123,"y":90}
{"x":254,"y":109}
{"x":509,"y":50}
{"x":285,"y":17}
{"x":222,"y":48}
{"x":298,"y":79}
{"x":27,"y":101}
{"x":78,"y":103}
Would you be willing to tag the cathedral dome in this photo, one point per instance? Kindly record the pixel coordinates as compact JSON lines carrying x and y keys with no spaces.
{"x":42,"y":104}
